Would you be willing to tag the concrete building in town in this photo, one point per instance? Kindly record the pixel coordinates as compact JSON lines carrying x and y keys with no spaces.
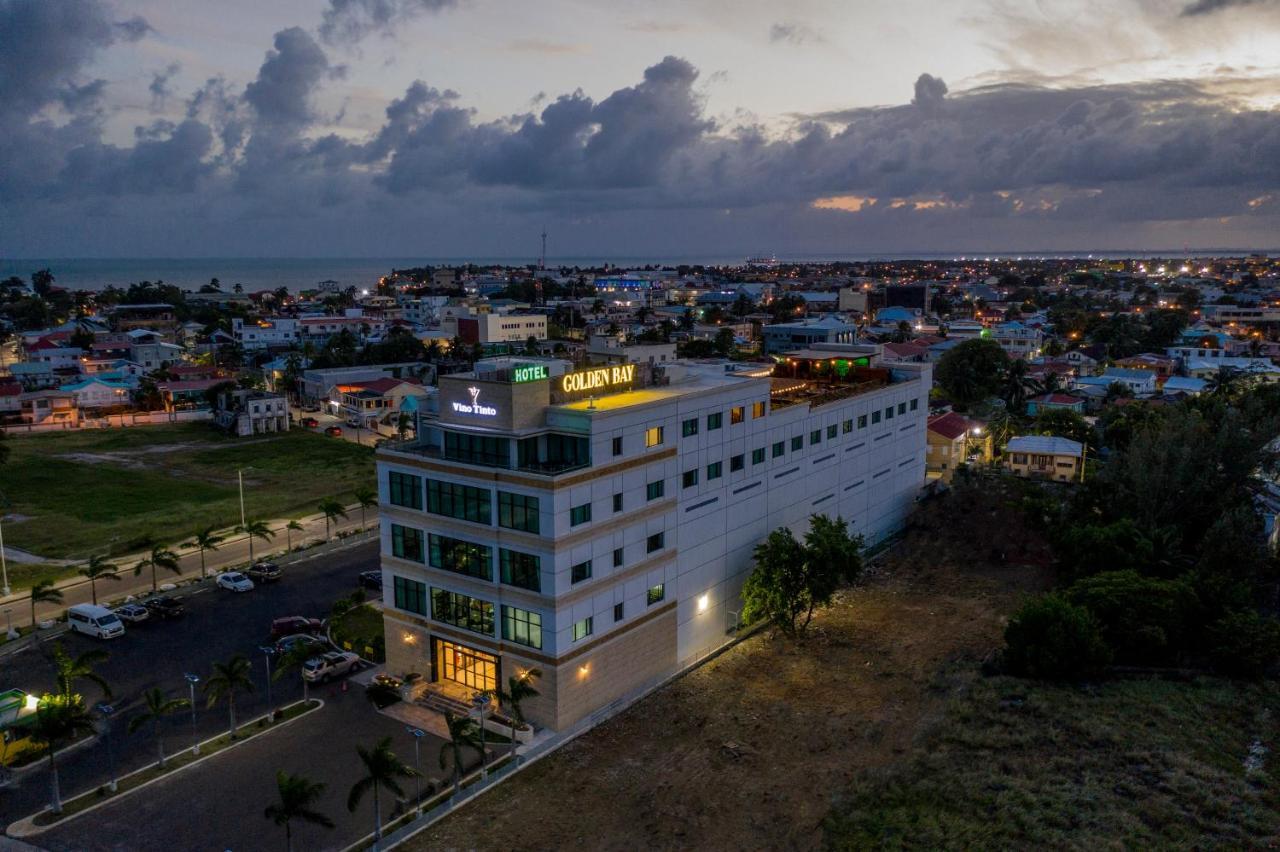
{"x":1041,"y":457}
{"x":832,"y":328}
{"x":599,"y":524}
{"x":274,"y":333}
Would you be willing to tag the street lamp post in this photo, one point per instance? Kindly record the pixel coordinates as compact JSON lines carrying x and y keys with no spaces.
{"x":192,"y":680}
{"x":106,"y":710}
{"x":4,"y":566}
{"x":8,"y":624}
{"x":481,"y":702}
{"x":417,"y":734}
{"x":267,"y":651}
{"x":240,"y":481}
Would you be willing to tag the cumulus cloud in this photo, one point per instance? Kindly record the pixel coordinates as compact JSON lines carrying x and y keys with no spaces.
{"x":348,"y":21}
{"x":793,"y":33}
{"x":159,"y":87}
{"x":292,"y":71}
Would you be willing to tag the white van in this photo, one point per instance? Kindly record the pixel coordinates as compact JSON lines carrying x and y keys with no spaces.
{"x":95,"y":621}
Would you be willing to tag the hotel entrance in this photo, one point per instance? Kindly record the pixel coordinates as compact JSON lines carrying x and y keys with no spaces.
{"x":465,"y":666}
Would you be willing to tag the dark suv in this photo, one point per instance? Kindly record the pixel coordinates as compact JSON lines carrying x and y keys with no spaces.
{"x":164,"y":608}
{"x":264,"y":572}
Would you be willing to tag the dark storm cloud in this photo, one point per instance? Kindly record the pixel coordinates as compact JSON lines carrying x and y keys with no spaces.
{"x":348,"y":21}
{"x":292,"y":71}
{"x":134,"y":28}
{"x":44,"y":45}
{"x":1208,"y":7}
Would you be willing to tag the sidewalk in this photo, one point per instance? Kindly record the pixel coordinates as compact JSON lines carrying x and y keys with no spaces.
{"x":233,"y":552}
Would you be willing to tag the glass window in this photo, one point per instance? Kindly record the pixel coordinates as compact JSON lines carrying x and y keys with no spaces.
{"x":653,"y":436}
{"x":847,"y":427}
{"x":831,"y":431}
{"x":461,"y":557}
{"x":757,"y":409}
{"x":902,"y":408}
{"x":862,"y":421}
{"x":737,"y":463}
{"x":618,"y":610}
{"x":915,"y":404}
{"x":714,"y":421}
{"x":480,"y":449}
{"x":582,"y":629}
{"x":654,"y":490}
{"x":657,"y":541}
{"x":656,"y":593}
{"x":462,"y":611}
{"x":580,"y":572}
{"x":888,"y":413}
{"x":618,"y":557}
{"x":815,"y":437}
{"x":517,"y":512}
{"x":757,"y":456}
{"x":579,"y":514}
{"x":797,"y":443}
{"x":404,"y":489}
{"x":713,"y":471}
{"x":779,"y":447}
{"x":689,"y":427}
{"x":736,"y":415}
{"x":406,"y":542}
{"x":875,"y":417}
{"x":522,"y":626}
{"x":463,"y":502}
{"x":617,"y":502}
{"x":410,"y":595}
{"x":520,"y":569}
{"x":689,"y":478}
{"x":617,"y":446}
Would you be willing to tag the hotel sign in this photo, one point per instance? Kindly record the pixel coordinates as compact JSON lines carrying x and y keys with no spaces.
{"x":598,"y":381}
{"x":529,"y":373}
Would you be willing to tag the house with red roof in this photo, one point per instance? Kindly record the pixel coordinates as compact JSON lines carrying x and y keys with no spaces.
{"x":373,"y":401}
{"x":1055,"y":402}
{"x":952,"y":439}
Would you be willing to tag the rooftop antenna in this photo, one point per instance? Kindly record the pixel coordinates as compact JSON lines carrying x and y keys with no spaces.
{"x":542,"y":260}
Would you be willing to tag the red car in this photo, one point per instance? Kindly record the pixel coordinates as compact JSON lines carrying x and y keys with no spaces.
{"x":310,"y":422}
{"x":335,"y":431}
{"x":294,"y":624}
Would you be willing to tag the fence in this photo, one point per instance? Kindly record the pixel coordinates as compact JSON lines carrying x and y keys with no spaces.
{"x":109,"y":421}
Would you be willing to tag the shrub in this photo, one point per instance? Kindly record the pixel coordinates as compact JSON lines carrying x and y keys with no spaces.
{"x":1051,"y":638}
{"x":1085,"y":549}
{"x":1144,"y":620}
{"x":1244,"y":644}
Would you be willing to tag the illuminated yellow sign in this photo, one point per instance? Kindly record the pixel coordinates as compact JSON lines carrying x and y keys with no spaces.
{"x":601,"y":379}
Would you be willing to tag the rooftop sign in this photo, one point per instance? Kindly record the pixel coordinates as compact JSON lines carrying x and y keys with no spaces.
{"x":599,"y":380}
{"x":529,"y":373}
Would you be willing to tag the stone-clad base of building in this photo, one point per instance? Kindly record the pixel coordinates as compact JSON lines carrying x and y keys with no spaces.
{"x":588,"y":679}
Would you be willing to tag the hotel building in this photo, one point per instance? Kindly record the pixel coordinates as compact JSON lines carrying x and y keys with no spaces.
{"x":598,"y":525}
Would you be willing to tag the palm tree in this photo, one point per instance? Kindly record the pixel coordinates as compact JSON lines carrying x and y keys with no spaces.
{"x":256,"y":529}
{"x":68,"y":670}
{"x":332,"y":510}
{"x":158,"y":707}
{"x":98,"y":568}
{"x":293,"y":659}
{"x":382,"y":768}
{"x":202,"y":541}
{"x":227,"y":679}
{"x":160,"y":557}
{"x":289,"y":529}
{"x":518,"y":689}
{"x":43,"y":592}
{"x":462,"y":732}
{"x":367,"y":498}
{"x":59,"y":719}
{"x":297,"y":795}
{"x":1225,"y":382}
{"x":1016,"y":384}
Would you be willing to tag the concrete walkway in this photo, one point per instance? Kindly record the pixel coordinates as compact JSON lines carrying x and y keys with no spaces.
{"x":233,"y":552}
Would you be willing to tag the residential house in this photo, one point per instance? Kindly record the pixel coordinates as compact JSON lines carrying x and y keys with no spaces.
{"x":188,"y":395}
{"x":246,"y":412}
{"x":952,"y":440}
{"x":1045,"y":457}
{"x":1018,"y":339}
{"x":832,"y":328}
{"x":47,"y":407}
{"x":1086,"y":359}
{"x":272,"y":333}
{"x":315,"y":384}
{"x":1187,"y":385}
{"x":614,"y":349}
{"x":154,"y":317}
{"x":377,"y":401}
{"x":1162,"y":365}
{"x":1141,"y":382}
{"x":1055,"y":402}
{"x":97,"y":394}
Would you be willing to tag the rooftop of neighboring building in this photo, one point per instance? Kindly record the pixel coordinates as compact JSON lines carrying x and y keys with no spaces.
{"x":1047,"y":445}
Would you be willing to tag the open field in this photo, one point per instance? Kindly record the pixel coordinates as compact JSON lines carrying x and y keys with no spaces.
{"x":881,"y":730}
{"x":78,"y":493}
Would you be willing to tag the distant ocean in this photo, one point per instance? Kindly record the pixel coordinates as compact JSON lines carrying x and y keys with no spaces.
{"x":300,"y":273}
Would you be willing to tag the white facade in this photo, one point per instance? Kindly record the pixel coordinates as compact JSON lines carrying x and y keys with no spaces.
{"x":278,"y":332}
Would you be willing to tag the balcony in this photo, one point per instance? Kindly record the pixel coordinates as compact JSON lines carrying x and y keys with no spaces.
{"x":436,"y":452}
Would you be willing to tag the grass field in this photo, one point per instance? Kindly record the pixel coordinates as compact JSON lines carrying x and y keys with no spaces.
{"x":78,"y":493}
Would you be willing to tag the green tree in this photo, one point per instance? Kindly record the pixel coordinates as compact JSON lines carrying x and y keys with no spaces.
{"x":203,"y":541}
{"x":367,"y":498}
{"x":98,"y":568}
{"x":972,"y":371}
{"x":519,"y":688}
{"x":289,"y":529}
{"x":43,"y":592}
{"x":463,"y":731}
{"x":382,"y":771}
{"x":256,"y":529}
{"x":1244,"y":644}
{"x":58,"y":720}
{"x":1144,"y":620}
{"x":1050,"y":638}
{"x":298,"y":797}
{"x":227,"y":680}
{"x":1065,"y":423}
{"x":157,"y":707}
{"x":332,"y":510}
{"x":159,"y":557}
{"x":1016,"y":386}
{"x":292,"y":660}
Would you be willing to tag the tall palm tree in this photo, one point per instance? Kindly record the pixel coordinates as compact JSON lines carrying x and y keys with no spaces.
{"x":160,"y":557}
{"x":202,"y":541}
{"x":59,"y":719}
{"x":463,"y":731}
{"x":1016,"y":384}
{"x":256,"y":529}
{"x":96,"y":569}
{"x":293,"y":659}
{"x":297,"y":796}
{"x":227,"y":679}
{"x":518,"y":689}
{"x":332,"y":510}
{"x":382,"y":769}
{"x":68,"y":670}
{"x":43,"y":592}
{"x":367,"y":498}
{"x":289,"y":529}
{"x":158,"y":706}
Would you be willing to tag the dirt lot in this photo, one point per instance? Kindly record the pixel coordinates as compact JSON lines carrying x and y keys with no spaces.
{"x":752,"y":749}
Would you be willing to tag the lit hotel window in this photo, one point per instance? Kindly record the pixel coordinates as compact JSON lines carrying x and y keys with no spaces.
{"x":653,"y":436}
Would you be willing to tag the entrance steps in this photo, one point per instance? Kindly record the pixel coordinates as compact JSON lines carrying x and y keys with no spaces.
{"x":441,"y":703}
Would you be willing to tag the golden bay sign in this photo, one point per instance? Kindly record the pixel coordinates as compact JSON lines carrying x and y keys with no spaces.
{"x":599,"y":380}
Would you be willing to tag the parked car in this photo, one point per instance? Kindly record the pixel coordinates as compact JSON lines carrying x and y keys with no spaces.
{"x":163,"y":608}
{"x":286,"y":644}
{"x":329,"y":665}
{"x":132,"y":613}
{"x":310,"y":422}
{"x":371,"y":580}
{"x":96,"y":621}
{"x":264,"y":572}
{"x":335,"y":431}
{"x":312,"y":407}
{"x":234,"y":581}
{"x":292,"y":624}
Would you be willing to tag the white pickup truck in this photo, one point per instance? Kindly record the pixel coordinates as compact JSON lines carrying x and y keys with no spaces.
{"x":329,"y":665}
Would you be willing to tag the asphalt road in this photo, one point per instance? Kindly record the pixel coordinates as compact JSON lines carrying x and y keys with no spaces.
{"x":216,"y":626}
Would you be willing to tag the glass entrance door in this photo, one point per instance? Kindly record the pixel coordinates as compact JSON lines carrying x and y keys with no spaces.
{"x":467,"y":666}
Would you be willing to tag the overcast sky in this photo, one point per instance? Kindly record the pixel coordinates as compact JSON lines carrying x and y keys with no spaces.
{"x":638,"y":128}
